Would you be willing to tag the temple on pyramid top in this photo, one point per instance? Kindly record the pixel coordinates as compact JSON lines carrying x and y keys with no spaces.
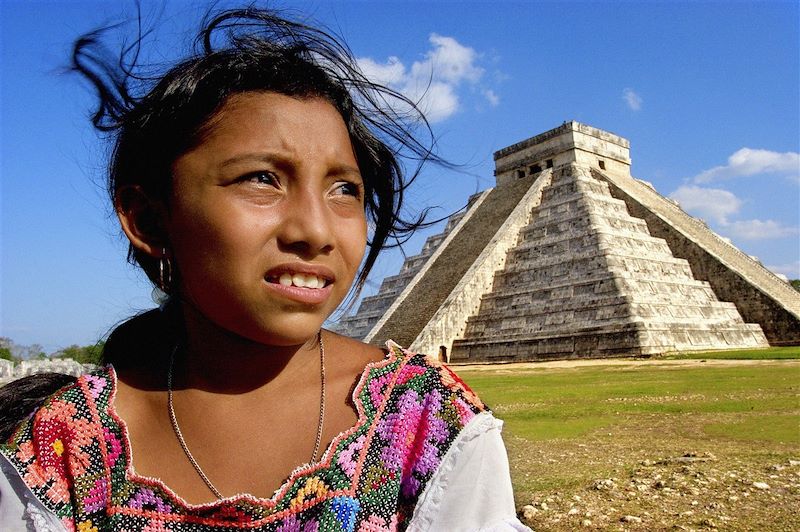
{"x":569,"y":256}
{"x":571,"y":142}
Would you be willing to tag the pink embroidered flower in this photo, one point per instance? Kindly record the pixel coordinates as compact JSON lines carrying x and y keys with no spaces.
{"x":96,"y":385}
{"x":156,"y":525}
{"x":113,"y":446}
{"x":377,"y":387}
{"x":413,"y":435}
{"x":376,"y":523}
{"x":409,"y":372}
{"x":96,"y":498}
{"x":56,"y":448}
{"x":465,"y":413}
{"x":346,"y":460}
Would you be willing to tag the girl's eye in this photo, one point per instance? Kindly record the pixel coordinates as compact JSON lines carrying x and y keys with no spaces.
{"x":348,"y":189}
{"x":261,"y":178}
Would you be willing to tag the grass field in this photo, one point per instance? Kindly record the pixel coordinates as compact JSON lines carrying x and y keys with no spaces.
{"x":653,"y":444}
{"x":772,"y":353}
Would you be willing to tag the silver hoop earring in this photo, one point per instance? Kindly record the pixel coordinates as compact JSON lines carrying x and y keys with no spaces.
{"x":164,"y":272}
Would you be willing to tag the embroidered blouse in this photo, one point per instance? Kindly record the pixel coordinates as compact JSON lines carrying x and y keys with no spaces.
{"x":425,"y":454}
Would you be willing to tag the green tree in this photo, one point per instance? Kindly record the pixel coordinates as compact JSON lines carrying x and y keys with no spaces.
{"x":5,"y":354}
{"x":795,"y":284}
{"x":88,"y":354}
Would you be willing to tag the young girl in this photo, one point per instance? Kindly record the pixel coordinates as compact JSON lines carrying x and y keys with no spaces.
{"x":250,"y":179}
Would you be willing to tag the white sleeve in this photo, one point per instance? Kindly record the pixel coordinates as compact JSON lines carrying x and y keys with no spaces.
{"x":20,"y":510}
{"x":471,"y":489}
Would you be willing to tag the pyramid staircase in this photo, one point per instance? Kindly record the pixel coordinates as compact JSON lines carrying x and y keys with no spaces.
{"x":373,"y":307}
{"x":586,"y":279}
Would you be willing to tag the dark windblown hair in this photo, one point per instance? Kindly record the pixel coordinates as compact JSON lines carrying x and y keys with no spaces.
{"x":152,"y":119}
{"x":155,"y":119}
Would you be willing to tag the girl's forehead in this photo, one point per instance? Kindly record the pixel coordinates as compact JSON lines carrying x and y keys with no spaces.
{"x":263,"y":125}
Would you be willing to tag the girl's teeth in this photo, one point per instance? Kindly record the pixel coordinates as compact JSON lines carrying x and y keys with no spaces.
{"x":300,"y":280}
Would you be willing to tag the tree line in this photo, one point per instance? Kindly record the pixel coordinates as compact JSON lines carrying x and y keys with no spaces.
{"x":87,"y":354}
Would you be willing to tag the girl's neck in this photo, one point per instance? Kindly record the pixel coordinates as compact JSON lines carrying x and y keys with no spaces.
{"x":217,"y":361}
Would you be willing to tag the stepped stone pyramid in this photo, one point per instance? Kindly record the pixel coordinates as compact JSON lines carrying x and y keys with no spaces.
{"x":569,"y":256}
{"x":373,"y":307}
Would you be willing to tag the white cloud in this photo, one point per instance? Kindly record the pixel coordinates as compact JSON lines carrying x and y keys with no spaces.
{"x":760,"y":229}
{"x":633,"y":100}
{"x":390,"y":73}
{"x":748,"y":162}
{"x":437,"y":100}
{"x":449,"y":61}
{"x":713,"y":204}
{"x":790,"y":271}
{"x":718,"y":205}
{"x":492,"y":97}
{"x":433,"y":82}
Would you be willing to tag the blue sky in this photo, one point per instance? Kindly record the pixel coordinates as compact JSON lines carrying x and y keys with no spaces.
{"x":707,"y":93}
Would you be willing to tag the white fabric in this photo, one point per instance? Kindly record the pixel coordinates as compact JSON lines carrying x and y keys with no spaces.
{"x":471,"y":489}
{"x":20,"y":510}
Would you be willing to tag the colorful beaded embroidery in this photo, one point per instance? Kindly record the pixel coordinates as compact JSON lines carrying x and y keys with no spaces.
{"x":74,"y":454}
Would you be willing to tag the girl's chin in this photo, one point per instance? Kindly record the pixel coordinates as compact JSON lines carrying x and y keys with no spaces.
{"x":291,"y":335}
{"x":287,"y":326}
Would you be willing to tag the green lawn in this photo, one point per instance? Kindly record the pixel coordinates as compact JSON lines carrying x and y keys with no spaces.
{"x":568,"y":403}
{"x":565,"y":428}
{"x":770,"y":353}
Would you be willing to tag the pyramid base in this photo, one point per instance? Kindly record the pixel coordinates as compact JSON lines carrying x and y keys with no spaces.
{"x":633,"y":339}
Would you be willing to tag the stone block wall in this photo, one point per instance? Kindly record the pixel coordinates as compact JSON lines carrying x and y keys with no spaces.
{"x":759,"y":296}
{"x":415,"y":307}
{"x":373,"y":307}
{"x":10,"y":371}
{"x":449,"y":321}
{"x":586,"y":279}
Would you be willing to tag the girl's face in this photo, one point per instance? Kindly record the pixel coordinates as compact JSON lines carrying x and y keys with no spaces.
{"x":266,"y":221}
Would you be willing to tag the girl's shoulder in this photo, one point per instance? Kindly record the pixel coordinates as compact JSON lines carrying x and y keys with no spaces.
{"x":424,"y":376}
{"x":63,"y":439}
{"x":79,"y":398}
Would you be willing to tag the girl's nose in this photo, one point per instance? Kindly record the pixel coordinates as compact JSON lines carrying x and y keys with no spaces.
{"x":307,"y":225}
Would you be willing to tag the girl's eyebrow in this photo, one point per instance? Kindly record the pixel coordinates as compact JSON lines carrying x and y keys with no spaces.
{"x":273,"y":158}
{"x":283,"y":161}
{"x":345,"y":169}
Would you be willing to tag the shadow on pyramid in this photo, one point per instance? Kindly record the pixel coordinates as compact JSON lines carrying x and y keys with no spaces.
{"x":570,"y":257}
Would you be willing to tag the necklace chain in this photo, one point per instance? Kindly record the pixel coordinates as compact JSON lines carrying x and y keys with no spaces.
{"x":175,"y":427}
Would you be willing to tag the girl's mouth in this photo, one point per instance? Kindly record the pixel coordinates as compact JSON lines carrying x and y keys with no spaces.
{"x":300,"y":280}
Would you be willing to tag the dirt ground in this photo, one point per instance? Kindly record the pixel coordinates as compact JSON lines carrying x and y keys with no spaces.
{"x":661,"y":475}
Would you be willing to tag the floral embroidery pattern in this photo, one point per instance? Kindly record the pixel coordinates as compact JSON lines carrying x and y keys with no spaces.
{"x":73,"y":454}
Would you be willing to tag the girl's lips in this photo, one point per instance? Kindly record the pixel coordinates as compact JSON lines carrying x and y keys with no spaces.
{"x":308,"y":296}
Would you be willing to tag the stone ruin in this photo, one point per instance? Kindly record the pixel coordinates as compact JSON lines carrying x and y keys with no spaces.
{"x":10,"y":371}
{"x":568,"y":256}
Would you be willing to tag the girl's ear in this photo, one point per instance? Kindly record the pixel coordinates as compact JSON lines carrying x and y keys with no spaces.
{"x":142,"y":220}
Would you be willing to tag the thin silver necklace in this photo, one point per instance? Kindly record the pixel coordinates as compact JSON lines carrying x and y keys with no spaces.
{"x":174,"y":420}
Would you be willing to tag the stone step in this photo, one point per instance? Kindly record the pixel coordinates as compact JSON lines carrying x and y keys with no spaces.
{"x":529,"y":331}
{"x":451,"y":263}
{"x":642,"y":289}
{"x":578,"y":202}
{"x":623,"y":340}
{"x":578,"y":318}
{"x":578,"y":268}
